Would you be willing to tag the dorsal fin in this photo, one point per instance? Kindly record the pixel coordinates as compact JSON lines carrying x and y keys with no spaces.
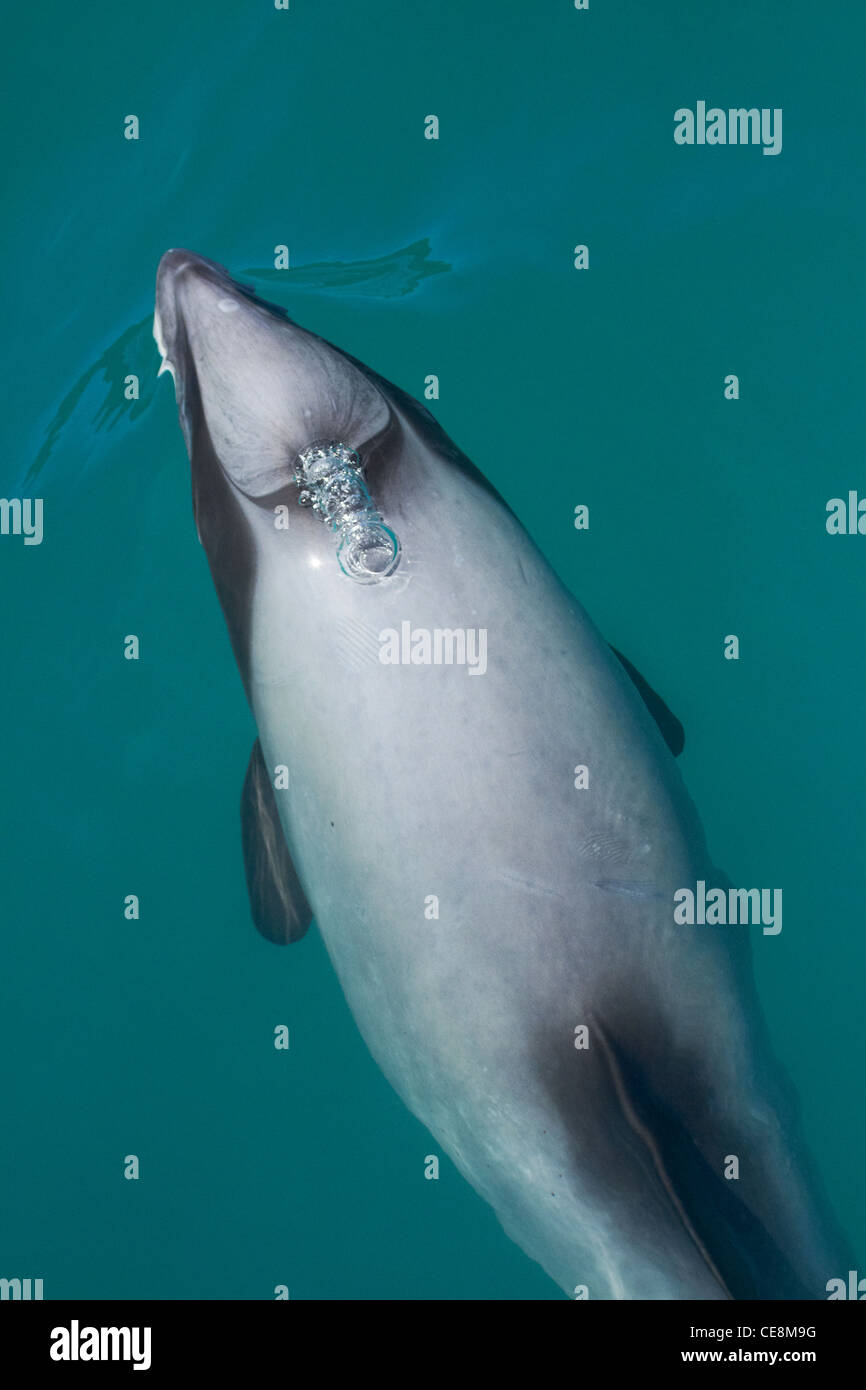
{"x":731,"y":1238}
{"x":647,"y":1138}
{"x":278,"y":903}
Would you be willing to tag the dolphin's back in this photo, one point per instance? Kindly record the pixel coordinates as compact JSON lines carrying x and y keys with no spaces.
{"x":555,"y":911}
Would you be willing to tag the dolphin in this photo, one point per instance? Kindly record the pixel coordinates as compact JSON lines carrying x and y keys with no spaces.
{"x":425,"y":690}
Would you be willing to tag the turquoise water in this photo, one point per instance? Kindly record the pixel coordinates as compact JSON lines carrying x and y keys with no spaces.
{"x":602,"y":387}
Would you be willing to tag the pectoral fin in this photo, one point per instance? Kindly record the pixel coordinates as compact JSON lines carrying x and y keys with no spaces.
{"x":669,"y":726}
{"x":279,"y":906}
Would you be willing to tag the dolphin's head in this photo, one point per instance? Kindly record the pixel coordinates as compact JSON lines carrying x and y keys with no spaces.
{"x":255,"y":391}
{"x":276,"y":420}
{"x":264,"y":387}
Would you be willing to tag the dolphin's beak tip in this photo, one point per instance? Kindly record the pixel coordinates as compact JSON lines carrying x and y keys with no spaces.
{"x":176,"y":258}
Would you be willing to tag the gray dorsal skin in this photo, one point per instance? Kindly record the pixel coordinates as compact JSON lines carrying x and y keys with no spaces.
{"x":278,"y":903}
{"x":478,"y":909}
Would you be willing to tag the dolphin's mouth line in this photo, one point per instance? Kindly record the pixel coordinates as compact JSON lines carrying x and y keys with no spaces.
{"x":329,"y":477}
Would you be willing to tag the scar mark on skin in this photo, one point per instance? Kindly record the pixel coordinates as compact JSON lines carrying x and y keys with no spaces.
{"x":531,"y":886}
{"x":627,"y":888}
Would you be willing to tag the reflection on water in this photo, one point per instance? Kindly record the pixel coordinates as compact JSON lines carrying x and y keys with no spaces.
{"x":386,"y":277}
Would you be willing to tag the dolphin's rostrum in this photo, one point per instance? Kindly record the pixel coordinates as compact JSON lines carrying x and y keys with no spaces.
{"x":505,"y":938}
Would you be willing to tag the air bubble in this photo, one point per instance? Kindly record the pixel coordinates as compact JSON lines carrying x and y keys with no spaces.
{"x":330,"y":478}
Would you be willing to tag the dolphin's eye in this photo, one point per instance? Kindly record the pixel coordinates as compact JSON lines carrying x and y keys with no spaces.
{"x":331,"y":481}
